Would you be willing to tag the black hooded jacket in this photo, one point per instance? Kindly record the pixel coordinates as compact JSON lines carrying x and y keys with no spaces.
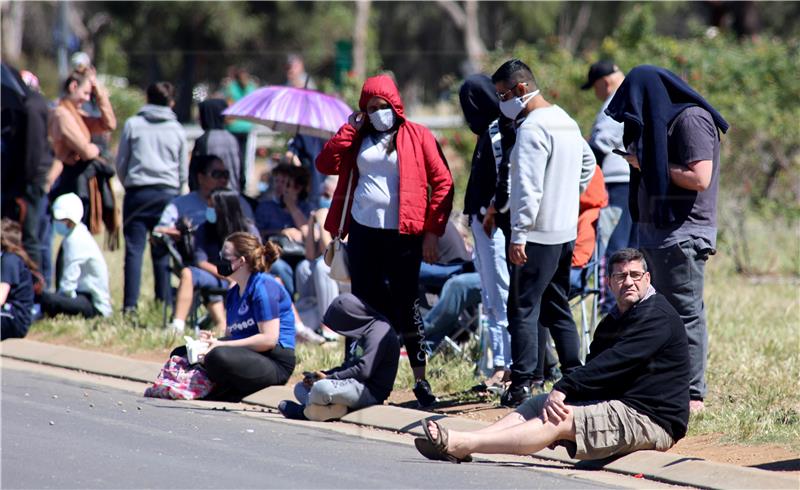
{"x":374,"y":355}
{"x":487,"y":180}
{"x":647,"y":102}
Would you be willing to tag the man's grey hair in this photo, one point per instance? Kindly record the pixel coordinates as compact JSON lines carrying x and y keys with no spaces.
{"x":626,"y":255}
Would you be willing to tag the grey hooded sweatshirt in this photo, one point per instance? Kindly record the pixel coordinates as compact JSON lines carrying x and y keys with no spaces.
{"x":153,"y":150}
{"x":374,"y":351}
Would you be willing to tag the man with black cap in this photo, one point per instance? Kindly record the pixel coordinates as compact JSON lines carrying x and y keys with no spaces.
{"x":616,"y":227}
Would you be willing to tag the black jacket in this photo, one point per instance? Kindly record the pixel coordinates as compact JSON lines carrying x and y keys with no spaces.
{"x":640,"y":358}
{"x":647,"y":102}
{"x":487,"y":181}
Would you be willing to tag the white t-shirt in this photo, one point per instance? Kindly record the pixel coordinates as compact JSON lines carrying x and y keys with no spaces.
{"x":376,"y":200}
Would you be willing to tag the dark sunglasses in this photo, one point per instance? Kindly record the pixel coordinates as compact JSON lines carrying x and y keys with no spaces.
{"x":220,"y":174}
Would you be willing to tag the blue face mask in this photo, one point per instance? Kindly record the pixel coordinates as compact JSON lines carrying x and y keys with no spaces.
{"x":61,"y":228}
{"x":211,"y":215}
{"x":262,"y":187}
{"x":325,"y":202}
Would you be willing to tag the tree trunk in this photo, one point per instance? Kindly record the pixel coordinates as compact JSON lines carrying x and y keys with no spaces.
{"x":466,"y":20}
{"x":360,"y":32}
{"x":13,"y":17}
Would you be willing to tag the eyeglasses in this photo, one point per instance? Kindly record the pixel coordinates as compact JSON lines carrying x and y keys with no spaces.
{"x":505,"y":95}
{"x":621,"y":276}
{"x":220,"y":174}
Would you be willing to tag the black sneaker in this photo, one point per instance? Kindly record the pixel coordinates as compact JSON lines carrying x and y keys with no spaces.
{"x":424,"y":394}
{"x":292,"y":410}
{"x":515,"y":395}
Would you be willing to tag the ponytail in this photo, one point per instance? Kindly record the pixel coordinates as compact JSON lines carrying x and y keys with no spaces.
{"x":259,"y":257}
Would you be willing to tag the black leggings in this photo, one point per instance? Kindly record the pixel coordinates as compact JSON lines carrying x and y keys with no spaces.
{"x":238,"y":371}
{"x":55,"y":303}
{"x":384,"y":273}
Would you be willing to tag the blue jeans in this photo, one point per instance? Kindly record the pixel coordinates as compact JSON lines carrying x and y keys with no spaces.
{"x":435,"y":275}
{"x":618,"y":228}
{"x":678,"y":273}
{"x":283,"y":271}
{"x":141,"y":211}
{"x":313,"y":281}
{"x":459,"y":293}
{"x":490,"y":262}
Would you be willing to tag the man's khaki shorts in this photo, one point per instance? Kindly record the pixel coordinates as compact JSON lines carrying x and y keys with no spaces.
{"x":605,"y":428}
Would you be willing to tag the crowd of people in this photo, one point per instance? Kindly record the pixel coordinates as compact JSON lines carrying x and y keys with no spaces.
{"x":541,"y":203}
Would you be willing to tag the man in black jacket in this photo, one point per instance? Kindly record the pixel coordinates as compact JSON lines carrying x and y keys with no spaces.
{"x":632,"y":394}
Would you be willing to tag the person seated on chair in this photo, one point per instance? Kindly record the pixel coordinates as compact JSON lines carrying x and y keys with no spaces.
{"x":367,"y":375}
{"x":455,"y":257}
{"x":16,"y":282}
{"x":285,"y":214}
{"x":210,"y":173}
{"x":315,"y":288}
{"x":257,"y":350}
{"x":632,"y":393}
{"x":592,"y":200}
{"x":83,"y":278}
{"x":224,"y":216}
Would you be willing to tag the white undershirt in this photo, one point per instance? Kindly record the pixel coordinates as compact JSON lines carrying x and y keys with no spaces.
{"x":376,"y":201}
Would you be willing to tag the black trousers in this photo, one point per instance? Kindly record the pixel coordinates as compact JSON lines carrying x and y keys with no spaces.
{"x":384,"y":273}
{"x":55,"y":303}
{"x":12,"y":327}
{"x":538,"y":298}
{"x":238,"y":371}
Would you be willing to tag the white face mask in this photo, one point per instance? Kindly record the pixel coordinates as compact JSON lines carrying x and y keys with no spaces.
{"x":512,"y":107}
{"x":382,"y":120}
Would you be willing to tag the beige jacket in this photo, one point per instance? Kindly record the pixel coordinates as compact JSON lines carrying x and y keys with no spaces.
{"x":70,"y":129}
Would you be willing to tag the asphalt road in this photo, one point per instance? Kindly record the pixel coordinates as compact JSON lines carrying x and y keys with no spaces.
{"x":59,"y":433}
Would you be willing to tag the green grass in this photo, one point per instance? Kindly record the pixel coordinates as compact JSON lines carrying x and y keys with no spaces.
{"x":753,"y":323}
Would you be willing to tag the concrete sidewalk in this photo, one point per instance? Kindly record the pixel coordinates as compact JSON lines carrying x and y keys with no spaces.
{"x":665,"y":467}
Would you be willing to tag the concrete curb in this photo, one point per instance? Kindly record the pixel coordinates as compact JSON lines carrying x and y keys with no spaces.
{"x":665,"y":467}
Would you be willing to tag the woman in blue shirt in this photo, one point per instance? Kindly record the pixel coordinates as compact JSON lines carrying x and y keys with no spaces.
{"x":258,"y":348}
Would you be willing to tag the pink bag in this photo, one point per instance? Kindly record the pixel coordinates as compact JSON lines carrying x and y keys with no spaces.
{"x":180,"y":381}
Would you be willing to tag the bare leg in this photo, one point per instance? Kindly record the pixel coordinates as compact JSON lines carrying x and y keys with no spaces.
{"x":522,"y":438}
{"x":183,"y":299}
{"x":217,"y":311}
{"x":510,"y":420}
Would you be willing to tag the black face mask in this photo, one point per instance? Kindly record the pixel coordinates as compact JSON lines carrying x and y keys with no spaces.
{"x":225,"y":267}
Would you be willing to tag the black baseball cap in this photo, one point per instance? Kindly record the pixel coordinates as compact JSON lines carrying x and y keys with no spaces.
{"x":597,"y":71}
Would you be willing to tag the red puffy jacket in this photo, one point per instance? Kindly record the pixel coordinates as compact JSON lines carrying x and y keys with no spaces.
{"x":419,"y":158}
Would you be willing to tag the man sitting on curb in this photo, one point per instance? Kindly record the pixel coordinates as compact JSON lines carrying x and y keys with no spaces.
{"x":367,"y":375}
{"x":632,"y":394}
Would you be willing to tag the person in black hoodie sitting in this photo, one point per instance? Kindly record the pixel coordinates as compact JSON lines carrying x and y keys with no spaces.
{"x":367,"y":375}
{"x":632,"y":394}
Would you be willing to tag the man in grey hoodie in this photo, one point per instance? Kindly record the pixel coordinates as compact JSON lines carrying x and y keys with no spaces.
{"x":551,"y":165}
{"x":367,"y":375}
{"x":152,"y":164}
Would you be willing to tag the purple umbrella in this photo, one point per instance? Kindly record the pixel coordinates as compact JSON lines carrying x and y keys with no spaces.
{"x":292,"y":110}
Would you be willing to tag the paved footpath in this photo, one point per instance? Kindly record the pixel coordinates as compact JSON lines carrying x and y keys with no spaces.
{"x":660,"y":467}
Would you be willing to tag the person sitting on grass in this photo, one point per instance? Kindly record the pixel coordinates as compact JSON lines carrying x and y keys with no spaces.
{"x":258,"y":348}
{"x":82,"y":271}
{"x":16,"y":282}
{"x":224,"y":216}
{"x":367,"y":375}
{"x":632,"y":394}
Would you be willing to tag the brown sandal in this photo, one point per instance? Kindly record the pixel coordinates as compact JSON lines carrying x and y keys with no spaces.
{"x":435,"y":448}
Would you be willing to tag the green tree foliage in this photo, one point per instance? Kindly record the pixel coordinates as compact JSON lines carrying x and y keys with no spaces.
{"x":753,"y":83}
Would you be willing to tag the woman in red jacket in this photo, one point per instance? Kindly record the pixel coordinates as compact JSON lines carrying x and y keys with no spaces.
{"x":400,"y":199}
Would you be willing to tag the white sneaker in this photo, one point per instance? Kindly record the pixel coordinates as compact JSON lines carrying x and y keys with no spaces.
{"x":324,"y":413}
{"x":176,"y":328}
{"x":305,"y":334}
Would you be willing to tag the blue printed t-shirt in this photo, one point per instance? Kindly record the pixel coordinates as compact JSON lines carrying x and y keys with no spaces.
{"x":263,"y":299}
{"x":15,"y":273}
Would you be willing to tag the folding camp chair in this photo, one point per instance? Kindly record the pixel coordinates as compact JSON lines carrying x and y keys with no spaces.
{"x":586,"y":296}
